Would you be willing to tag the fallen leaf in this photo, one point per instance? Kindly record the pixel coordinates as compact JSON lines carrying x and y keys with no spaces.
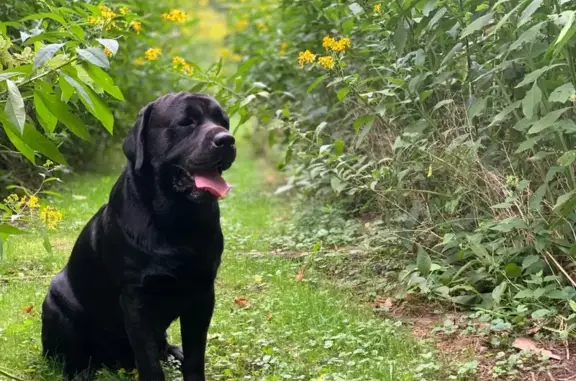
{"x":300,"y":274}
{"x":526,"y":344}
{"x":269,"y":316}
{"x":533,"y":330}
{"x":29,"y":309}
{"x":242,"y":302}
{"x":380,"y":302}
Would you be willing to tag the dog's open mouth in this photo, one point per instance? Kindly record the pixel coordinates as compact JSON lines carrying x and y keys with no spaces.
{"x":210,"y":181}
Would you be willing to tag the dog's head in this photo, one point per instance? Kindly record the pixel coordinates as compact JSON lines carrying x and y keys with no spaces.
{"x":183,"y":140}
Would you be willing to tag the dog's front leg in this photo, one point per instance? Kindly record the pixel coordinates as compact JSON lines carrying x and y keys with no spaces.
{"x":195,"y":322}
{"x":142,"y":335}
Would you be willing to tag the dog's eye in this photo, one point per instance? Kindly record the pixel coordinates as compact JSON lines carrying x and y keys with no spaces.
{"x":188,"y":122}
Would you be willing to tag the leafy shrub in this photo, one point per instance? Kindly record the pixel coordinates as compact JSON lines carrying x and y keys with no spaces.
{"x":452,"y":121}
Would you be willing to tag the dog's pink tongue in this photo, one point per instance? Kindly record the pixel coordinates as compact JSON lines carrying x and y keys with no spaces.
{"x":212,"y":182}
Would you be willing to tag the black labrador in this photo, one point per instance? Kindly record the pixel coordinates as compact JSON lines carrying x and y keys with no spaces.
{"x":151,"y":254}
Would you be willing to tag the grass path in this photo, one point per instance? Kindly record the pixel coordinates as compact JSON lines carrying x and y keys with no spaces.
{"x":267,"y":325}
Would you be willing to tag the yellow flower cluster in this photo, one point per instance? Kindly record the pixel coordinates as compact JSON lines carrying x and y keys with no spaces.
{"x":305,"y":57}
{"x":152,"y":54}
{"x":136,"y":25}
{"x":108,"y":52}
{"x":17,"y":203}
{"x":138,"y":61}
{"x":174,"y":15}
{"x":106,"y":12}
{"x":378,"y":8}
{"x":327,"y":62}
{"x":50,"y":217}
{"x":338,"y":46}
{"x":181,"y":64}
{"x":124,"y":10}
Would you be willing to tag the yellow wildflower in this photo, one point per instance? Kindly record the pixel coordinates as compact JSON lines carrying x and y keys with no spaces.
{"x":136,"y":25}
{"x":152,"y":54}
{"x":33,"y":202}
{"x":328,"y":42}
{"x":228,"y":54}
{"x":108,"y":52}
{"x":106,"y":12}
{"x":338,"y":46}
{"x":260,"y":25}
{"x":342,"y":44}
{"x":50,"y":217}
{"x":257,"y":279}
{"x":12,"y":198}
{"x":305,"y":57}
{"x":124,"y":10}
{"x":377,"y":8}
{"x":327,"y":62}
{"x":181,"y":64}
{"x":174,"y":15}
{"x":139,"y":61}
{"x":93,"y":20}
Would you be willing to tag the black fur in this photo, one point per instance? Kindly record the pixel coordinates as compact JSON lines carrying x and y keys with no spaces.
{"x":148,"y":256}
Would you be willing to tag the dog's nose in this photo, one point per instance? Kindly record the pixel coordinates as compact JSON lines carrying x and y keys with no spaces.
{"x":224,"y":139}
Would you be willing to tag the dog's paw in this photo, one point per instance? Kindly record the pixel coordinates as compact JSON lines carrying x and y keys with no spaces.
{"x":176,"y":352}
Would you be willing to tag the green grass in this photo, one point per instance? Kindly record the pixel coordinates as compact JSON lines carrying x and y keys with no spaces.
{"x":289,"y":329}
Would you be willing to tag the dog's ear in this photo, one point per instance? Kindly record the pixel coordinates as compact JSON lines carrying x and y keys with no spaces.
{"x":133,"y":145}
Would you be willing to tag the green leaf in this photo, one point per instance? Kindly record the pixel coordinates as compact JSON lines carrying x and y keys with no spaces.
{"x":536,"y":198}
{"x":347,"y":26}
{"x":95,"y":56}
{"x":15,"y":139}
{"x":523,"y":294}
{"x":498,"y":291}
{"x":565,"y":203}
{"x":540,"y":314}
{"x":45,"y":54}
{"x":476,"y":108}
{"x":442,"y":103}
{"x":47,"y":120}
{"x":112,"y":45}
{"x":477,"y":24}
{"x":567,"y":158}
{"x":339,"y":147}
{"x":531,"y":101}
{"x":512,"y":270}
{"x":572,"y":305}
{"x":10,"y":230}
{"x":528,"y":36}
{"x":526,"y":145}
{"x":564,"y":32}
{"x":529,"y":261}
{"x":102,"y":79}
{"x":547,"y":120}
{"x":400,"y":36}
{"x":60,"y":110}
{"x":66,"y":88}
{"x":40,"y":143}
{"x":533,"y":76}
{"x":423,"y":261}
{"x":562,"y":93}
{"x":529,"y":11}
{"x":82,"y":92}
{"x":337,"y":184}
{"x":504,"y":19}
{"x":36,"y":16}
{"x":99,"y":109}
{"x":14,"y":108}
{"x":504,"y":113}
{"x":316,"y":83}
{"x":366,"y":124}
{"x":341,"y":94}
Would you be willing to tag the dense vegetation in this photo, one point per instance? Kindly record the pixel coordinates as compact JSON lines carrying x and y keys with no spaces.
{"x":447,"y":125}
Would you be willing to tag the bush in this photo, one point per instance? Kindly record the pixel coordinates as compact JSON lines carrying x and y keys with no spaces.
{"x":450,"y":120}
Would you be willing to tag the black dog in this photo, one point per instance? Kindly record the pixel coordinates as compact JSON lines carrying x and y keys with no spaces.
{"x":151,"y":254}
